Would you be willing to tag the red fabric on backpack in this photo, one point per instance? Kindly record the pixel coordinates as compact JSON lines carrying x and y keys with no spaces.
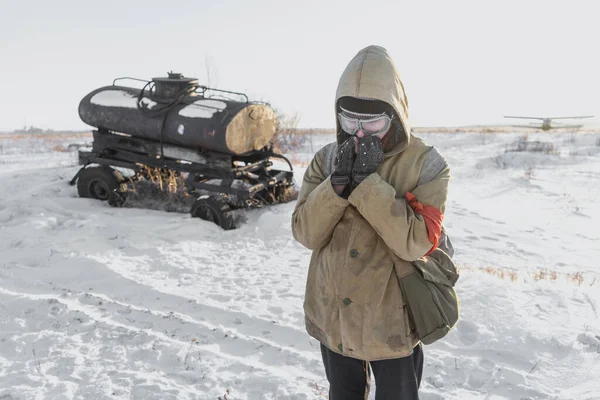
{"x":433,"y":219}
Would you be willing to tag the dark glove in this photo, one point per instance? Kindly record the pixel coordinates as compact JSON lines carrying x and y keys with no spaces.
{"x":368,"y":158}
{"x":342,"y":174}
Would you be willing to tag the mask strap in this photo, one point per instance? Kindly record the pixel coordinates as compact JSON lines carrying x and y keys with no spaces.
{"x":363,"y":114}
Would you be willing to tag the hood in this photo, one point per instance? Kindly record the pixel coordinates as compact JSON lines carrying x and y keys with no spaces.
{"x":372,"y":74}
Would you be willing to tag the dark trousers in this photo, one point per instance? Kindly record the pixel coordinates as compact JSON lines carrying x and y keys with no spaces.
{"x":395,"y":379}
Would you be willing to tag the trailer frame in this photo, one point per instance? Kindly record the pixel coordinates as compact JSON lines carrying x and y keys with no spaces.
{"x":210,"y":175}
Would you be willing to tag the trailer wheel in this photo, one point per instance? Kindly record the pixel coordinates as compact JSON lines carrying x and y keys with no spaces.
{"x":98,"y":183}
{"x":215,"y":210}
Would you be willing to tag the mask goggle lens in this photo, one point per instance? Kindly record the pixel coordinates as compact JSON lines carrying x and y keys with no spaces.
{"x":368,"y":123}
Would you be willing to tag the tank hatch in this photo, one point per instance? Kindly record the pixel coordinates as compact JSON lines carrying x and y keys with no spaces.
{"x":166,"y":88}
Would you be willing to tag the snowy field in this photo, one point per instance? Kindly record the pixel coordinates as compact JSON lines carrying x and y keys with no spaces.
{"x":105,"y":303}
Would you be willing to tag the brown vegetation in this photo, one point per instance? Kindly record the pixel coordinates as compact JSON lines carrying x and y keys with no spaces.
{"x":287,"y":135}
{"x":540,"y":274}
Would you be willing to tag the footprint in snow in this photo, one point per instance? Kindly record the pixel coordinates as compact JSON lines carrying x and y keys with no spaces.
{"x":487,"y":364}
{"x":490,"y":238}
{"x":468,"y":332}
{"x":185,"y":280}
{"x":276,"y":310}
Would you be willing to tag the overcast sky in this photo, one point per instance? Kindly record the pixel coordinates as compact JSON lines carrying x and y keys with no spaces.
{"x":462,"y":62}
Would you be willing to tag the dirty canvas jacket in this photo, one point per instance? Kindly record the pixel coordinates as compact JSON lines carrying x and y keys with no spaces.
{"x":361,"y":245}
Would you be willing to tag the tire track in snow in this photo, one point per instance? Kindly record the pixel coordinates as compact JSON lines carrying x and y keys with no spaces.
{"x":177,"y":285}
{"x":184,"y":326}
{"x":219,"y":322}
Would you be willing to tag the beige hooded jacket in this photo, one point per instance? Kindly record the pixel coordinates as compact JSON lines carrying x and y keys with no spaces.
{"x":361,"y":245}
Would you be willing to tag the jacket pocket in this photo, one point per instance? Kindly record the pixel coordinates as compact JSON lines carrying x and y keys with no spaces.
{"x":351,"y":324}
{"x":386,"y":322}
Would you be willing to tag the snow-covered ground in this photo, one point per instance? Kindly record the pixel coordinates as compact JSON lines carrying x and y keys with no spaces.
{"x":105,"y":303}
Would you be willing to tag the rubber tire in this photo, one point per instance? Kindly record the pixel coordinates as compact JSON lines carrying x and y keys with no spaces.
{"x":214,"y":210}
{"x":98,"y":183}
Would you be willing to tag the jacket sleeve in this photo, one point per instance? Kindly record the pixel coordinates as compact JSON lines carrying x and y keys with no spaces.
{"x":318,"y":208}
{"x":409,"y":223}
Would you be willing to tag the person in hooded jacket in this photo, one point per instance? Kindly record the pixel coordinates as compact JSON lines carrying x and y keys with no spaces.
{"x":370,"y":203}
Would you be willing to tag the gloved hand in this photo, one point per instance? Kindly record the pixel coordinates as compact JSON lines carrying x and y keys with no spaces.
{"x":342,"y":174}
{"x":369,"y":157}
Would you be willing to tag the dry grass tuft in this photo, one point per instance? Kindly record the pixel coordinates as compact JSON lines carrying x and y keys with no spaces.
{"x":577,"y":278}
{"x":523,"y":144}
{"x":502,"y":273}
{"x":320,"y":391}
{"x":536,"y":275}
{"x":529,"y":173}
{"x":298,"y":161}
{"x":51,"y":136}
{"x":287,"y":135}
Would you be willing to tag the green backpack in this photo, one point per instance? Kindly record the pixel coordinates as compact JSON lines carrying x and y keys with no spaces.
{"x":432,"y":302}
